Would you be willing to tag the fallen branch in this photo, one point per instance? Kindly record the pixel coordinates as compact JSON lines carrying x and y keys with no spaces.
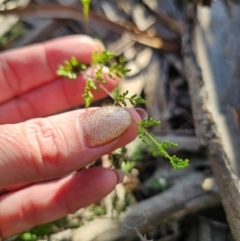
{"x":185,"y":198}
{"x":207,"y":130}
{"x":74,"y":12}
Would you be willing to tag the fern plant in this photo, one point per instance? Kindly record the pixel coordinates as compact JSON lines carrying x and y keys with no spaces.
{"x":72,"y":68}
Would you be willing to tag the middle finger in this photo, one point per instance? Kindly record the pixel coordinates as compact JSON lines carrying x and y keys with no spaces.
{"x":49,"y":99}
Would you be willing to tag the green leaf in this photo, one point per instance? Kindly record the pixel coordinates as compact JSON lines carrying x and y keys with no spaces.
{"x":168,"y":144}
{"x":149,"y":122}
{"x":87,"y":95}
{"x":134,"y":99}
{"x":127,"y":166}
{"x":71,"y":68}
{"x":142,"y":136}
{"x":99,"y":73}
{"x":178,"y":163}
{"x":102,"y":58}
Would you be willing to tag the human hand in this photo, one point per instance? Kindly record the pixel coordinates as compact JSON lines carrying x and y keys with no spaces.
{"x":39,"y":156}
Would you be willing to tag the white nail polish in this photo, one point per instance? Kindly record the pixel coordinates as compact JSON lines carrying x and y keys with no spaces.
{"x":103,"y":125}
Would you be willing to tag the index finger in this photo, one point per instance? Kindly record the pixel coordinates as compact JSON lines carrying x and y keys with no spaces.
{"x":52,"y":147}
{"x":30,"y":67}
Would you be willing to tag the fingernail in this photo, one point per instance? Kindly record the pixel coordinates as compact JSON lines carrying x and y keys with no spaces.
{"x":143,"y":114}
{"x":119,"y":174}
{"x":103,"y":125}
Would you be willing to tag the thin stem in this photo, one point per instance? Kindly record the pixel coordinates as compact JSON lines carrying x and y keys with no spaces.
{"x":104,"y":89}
{"x":150,"y":136}
{"x":153,"y":140}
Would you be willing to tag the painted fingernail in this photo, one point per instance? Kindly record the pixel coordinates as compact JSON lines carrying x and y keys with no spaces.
{"x":103,"y":125}
{"x":143,"y":114}
{"x":119,"y":174}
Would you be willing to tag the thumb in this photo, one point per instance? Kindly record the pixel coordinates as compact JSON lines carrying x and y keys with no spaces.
{"x":47,"y":148}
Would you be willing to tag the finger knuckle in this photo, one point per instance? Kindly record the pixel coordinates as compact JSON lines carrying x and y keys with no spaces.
{"x":48,"y":141}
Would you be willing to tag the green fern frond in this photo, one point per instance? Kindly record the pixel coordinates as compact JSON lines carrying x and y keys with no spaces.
{"x":87,"y":95}
{"x":71,"y":68}
{"x":103,"y":58}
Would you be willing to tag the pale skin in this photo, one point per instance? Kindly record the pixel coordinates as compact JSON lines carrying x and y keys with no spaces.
{"x":39,"y":155}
